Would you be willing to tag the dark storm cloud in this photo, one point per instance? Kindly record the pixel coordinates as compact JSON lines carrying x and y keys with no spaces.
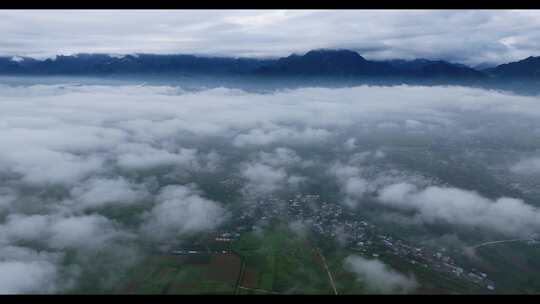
{"x":470,"y":37}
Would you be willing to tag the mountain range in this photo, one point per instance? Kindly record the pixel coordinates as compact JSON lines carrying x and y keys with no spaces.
{"x":319,"y":63}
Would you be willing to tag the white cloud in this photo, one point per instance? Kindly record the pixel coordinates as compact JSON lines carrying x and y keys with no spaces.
{"x":211,"y":162}
{"x":87,"y":232}
{"x":27,"y":277}
{"x":24,"y":270}
{"x":464,"y":208}
{"x":413,"y":124}
{"x":350,"y":144}
{"x":356,"y":186}
{"x":41,"y":166}
{"x":180,"y":210}
{"x":380,"y":154}
{"x":263,"y":179}
{"x":280,"y":157}
{"x":300,"y":228}
{"x":258,"y":137}
{"x":99,"y":192}
{"x":527,"y":166}
{"x":352,"y":184}
{"x":379,"y":277}
{"x":268,"y":171}
{"x":344,"y":171}
{"x":7,"y":197}
{"x":23,"y":227}
{"x":142,"y":156}
{"x":84,"y":232}
{"x":387,"y":125}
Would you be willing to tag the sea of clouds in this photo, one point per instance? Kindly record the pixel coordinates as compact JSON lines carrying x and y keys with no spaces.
{"x":70,"y":155}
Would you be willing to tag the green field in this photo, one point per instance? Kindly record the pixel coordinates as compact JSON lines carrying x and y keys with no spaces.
{"x":173,"y":274}
{"x":276,"y":260}
{"x":514,"y":266}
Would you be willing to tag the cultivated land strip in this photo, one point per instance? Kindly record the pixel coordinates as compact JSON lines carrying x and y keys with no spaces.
{"x":502,"y":241}
{"x":258,"y":290}
{"x":330,"y":278}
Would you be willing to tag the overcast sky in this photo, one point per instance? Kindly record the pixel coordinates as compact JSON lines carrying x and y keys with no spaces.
{"x":470,"y":37}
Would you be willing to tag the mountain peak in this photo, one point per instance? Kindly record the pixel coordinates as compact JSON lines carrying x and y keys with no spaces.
{"x":531,"y":59}
{"x":525,"y":68}
{"x":322,"y":62}
{"x":333,"y":53}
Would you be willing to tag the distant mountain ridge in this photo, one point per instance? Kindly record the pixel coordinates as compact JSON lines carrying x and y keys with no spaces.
{"x":140,"y":63}
{"x":526,"y":68}
{"x":337,"y":63}
{"x":325,"y":62}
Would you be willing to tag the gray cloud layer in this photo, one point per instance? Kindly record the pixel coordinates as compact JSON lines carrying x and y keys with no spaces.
{"x":470,"y":37}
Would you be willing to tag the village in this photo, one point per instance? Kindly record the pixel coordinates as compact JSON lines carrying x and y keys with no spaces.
{"x":330,"y":220}
{"x":333,"y":221}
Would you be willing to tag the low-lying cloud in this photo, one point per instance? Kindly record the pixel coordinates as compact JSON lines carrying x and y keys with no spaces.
{"x":73,"y":155}
{"x":527,"y":166}
{"x":379,"y":277}
{"x":464,"y":208}
{"x":180,"y":210}
{"x":28,"y":271}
